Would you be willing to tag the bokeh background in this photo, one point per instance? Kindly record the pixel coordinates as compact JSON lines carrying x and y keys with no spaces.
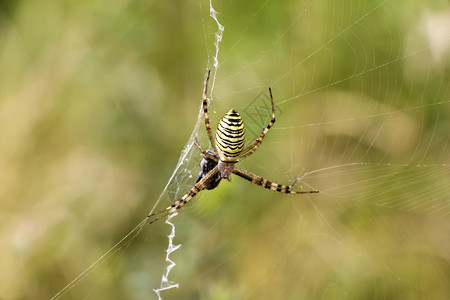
{"x":98,"y":99}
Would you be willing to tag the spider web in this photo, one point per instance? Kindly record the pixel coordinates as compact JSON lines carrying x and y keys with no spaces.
{"x":362,"y":103}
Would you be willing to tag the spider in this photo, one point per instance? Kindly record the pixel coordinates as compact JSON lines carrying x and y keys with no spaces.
{"x":228,"y":149}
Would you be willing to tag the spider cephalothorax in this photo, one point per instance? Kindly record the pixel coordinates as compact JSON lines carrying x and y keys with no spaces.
{"x":228,"y":149}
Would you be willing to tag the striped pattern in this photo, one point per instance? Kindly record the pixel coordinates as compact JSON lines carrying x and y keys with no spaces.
{"x":230,"y":136}
{"x":258,"y":180}
{"x":198,"y":187}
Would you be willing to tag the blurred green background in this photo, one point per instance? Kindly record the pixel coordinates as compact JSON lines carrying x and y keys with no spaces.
{"x":97,"y":100}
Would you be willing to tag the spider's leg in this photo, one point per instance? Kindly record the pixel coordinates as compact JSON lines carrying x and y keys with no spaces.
{"x":205,"y":112}
{"x":205,"y":153}
{"x":185,"y":199}
{"x":258,"y":180}
{"x":253,"y":146}
{"x":295,"y":180}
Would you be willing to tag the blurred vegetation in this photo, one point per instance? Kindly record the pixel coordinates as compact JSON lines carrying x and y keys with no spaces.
{"x":97,"y":99}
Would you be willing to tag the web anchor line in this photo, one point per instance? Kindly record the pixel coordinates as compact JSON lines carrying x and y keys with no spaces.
{"x":118,"y":246}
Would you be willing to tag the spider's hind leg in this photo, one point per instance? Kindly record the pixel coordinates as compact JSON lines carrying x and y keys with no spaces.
{"x":253,"y":146}
{"x":205,"y":113}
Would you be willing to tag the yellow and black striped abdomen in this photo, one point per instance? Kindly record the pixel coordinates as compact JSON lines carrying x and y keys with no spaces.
{"x":230,"y":136}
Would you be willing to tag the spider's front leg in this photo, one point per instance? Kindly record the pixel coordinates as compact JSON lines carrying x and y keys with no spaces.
{"x":199,"y":186}
{"x":258,"y":180}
